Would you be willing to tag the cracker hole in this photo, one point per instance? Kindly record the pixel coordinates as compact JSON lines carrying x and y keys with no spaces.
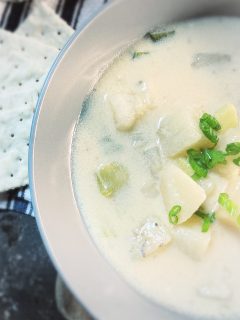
{"x":1,"y":41}
{"x":25,"y":102}
{"x":4,"y":150}
{"x":20,"y":84}
{"x":59,"y":32}
{"x":11,"y":175}
{"x":1,"y":108}
{"x":37,"y":80}
{"x":23,"y":49}
{"x":16,"y":66}
{"x":27,"y":34}
{"x":21,"y":119}
{"x":19,"y":159}
{"x":42,"y":33}
{"x":45,"y":58}
{"x":3,"y":87}
{"x":27,"y":144}
{"x":12,"y":135}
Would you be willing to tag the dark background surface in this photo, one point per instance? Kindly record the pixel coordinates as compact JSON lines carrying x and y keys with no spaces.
{"x":27,"y":276}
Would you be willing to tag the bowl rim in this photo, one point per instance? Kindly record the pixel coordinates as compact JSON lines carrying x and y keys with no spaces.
{"x":146,"y":309}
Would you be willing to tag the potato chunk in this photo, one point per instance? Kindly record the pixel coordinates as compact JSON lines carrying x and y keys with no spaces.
{"x":179,"y":132}
{"x":227,"y":117}
{"x":178,"y":188}
{"x":190,"y":239}
{"x":127,"y":108}
{"x":213,"y":186}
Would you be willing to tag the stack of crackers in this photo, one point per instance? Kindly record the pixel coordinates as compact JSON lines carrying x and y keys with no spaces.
{"x":25,"y":59}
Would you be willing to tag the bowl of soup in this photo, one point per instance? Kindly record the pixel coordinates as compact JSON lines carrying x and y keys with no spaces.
{"x":135,"y":161}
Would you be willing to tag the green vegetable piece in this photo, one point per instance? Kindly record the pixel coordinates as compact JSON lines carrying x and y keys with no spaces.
{"x":196,"y":162}
{"x":204,"y":160}
{"x":229,"y":205}
{"x":209,"y":125}
{"x":237,"y":161}
{"x":211,"y":158}
{"x":173,"y":215}
{"x":211,"y":121}
{"x":138,"y":54}
{"x":208,"y":219}
{"x":111,"y":177}
{"x":233,"y":149}
{"x":156,"y":36}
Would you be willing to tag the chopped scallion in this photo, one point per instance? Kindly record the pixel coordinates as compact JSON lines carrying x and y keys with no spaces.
{"x":229,"y":205}
{"x":233,"y":149}
{"x":209,"y":126}
{"x":208,"y":219}
{"x":237,"y":161}
{"x":173,"y":215}
{"x":156,"y":36}
{"x":138,"y":54}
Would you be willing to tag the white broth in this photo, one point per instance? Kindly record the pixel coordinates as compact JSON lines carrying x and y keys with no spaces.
{"x":142,"y":117}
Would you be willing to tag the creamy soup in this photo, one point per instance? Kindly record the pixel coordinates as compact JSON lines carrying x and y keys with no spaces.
{"x":155,"y":165}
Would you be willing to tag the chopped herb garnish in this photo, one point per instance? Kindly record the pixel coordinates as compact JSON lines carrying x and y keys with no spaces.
{"x":204,"y":160}
{"x":138,"y":54}
{"x":211,"y":121}
{"x":212,"y":158}
{"x":233,"y":149}
{"x":237,"y":161}
{"x":229,"y":205}
{"x":156,"y":36}
{"x":173,"y":215}
{"x":208,"y":219}
{"x":111,"y":177}
{"x":209,"y":126}
{"x":196,"y":162}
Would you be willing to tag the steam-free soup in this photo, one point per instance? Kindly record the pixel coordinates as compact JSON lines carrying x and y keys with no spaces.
{"x":155,"y":165}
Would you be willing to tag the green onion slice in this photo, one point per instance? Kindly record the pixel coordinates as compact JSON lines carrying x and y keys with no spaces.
{"x":208,"y":219}
{"x":237,"y":161}
{"x":156,"y":36}
{"x":138,"y":54}
{"x":173,"y":215}
{"x":233,"y":149}
{"x":209,"y":126}
{"x":229,"y":205}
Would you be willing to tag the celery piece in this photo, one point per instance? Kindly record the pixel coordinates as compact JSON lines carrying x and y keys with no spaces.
{"x":111,"y":177}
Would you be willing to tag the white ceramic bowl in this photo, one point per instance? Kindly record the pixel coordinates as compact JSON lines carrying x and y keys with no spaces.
{"x":104,"y":293}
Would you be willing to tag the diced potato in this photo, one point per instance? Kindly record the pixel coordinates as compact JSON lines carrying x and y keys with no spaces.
{"x":184,"y":165}
{"x":227,"y":117}
{"x":178,"y":188}
{"x":190,"y":239}
{"x":228,"y":171}
{"x":179,"y":132}
{"x":127,"y":109}
{"x":233,"y":191}
{"x":213,"y":186}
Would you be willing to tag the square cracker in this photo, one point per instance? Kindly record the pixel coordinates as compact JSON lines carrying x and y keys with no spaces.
{"x":45,"y":25}
{"x":24,"y":63}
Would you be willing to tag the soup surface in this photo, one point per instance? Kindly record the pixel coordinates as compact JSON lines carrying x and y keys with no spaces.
{"x":155,"y":165}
